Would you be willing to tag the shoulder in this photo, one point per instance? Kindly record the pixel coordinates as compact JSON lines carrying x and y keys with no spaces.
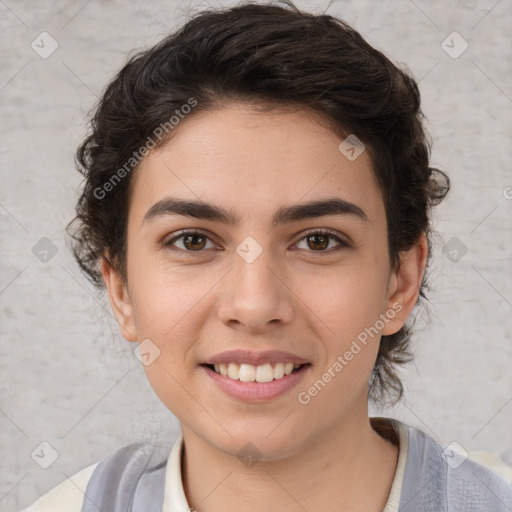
{"x":448,"y":476}
{"x":133,"y":475}
{"x":104,"y":476}
{"x":68,"y":496}
{"x":472,"y":486}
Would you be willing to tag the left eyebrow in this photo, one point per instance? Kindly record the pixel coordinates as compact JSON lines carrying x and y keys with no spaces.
{"x":202,"y":210}
{"x":334,"y":206}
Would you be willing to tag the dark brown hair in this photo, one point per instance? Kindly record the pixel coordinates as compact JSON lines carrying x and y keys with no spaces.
{"x":273,"y":55}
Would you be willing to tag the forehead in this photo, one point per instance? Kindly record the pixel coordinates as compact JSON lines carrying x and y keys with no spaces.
{"x":253,"y":162}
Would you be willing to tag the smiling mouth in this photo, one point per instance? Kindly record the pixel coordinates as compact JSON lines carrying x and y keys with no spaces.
{"x":250,"y":373}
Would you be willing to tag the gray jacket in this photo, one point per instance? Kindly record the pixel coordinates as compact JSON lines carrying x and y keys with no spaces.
{"x":132,"y":479}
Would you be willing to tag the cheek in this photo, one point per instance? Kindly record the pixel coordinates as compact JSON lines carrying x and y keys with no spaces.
{"x":165,"y":296}
{"x":346,"y":299}
{"x":168,"y":310}
{"x":345,"y":306}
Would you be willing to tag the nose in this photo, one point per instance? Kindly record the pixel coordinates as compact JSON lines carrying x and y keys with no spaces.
{"x":255,"y":297}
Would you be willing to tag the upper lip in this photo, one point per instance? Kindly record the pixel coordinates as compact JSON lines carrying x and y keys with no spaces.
{"x":255,"y":358}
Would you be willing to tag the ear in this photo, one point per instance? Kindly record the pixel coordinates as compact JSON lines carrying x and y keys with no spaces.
{"x":404,"y":285}
{"x":119,"y":300}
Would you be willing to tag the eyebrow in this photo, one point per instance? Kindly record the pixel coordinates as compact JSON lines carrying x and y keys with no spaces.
{"x":206,"y":211}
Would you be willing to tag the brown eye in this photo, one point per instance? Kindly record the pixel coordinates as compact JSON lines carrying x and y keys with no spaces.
{"x":318,"y":241}
{"x":190,"y":241}
{"x":323,"y":241}
{"x":194,"y":242}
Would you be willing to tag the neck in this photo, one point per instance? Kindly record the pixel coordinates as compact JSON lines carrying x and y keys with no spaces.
{"x":348,"y":468}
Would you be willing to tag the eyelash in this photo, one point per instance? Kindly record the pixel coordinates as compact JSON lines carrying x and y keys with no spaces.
{"x":323,"y":232}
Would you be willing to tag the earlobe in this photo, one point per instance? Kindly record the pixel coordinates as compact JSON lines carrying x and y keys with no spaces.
{"x":119,"y":300}
{"x":405,"y":284}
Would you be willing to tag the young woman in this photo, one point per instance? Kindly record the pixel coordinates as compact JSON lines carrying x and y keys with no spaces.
{"x":256,"y":202}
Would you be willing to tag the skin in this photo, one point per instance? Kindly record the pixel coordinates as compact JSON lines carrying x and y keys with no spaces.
{"x":293,"y":297}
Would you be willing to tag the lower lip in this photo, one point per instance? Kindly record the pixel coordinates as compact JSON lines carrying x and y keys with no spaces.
{"x":257,"y":391}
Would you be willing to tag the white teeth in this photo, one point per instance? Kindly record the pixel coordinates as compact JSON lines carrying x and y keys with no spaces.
{"x":247,"y":373}
{"x":233,"y":371}
{"x":288,"y":368}
{"x":250,"y":373}
{"x":278,"y":370}
{"x":264,"y":373}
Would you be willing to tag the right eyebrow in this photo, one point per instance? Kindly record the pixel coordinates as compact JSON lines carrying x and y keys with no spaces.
{"x":187,"y":208}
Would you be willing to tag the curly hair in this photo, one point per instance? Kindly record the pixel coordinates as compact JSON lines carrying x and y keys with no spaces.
{"x":278,"y":56}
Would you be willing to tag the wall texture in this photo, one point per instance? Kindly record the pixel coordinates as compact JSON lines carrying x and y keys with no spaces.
{"x":67,"y":378}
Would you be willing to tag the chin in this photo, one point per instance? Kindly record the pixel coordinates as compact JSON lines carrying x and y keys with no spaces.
{"x":253,"y":443}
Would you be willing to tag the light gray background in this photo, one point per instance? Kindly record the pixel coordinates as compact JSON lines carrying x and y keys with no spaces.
{"x":68,"y":378}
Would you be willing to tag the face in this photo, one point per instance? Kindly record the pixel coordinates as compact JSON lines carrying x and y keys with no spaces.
{"x":286,"y":262}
